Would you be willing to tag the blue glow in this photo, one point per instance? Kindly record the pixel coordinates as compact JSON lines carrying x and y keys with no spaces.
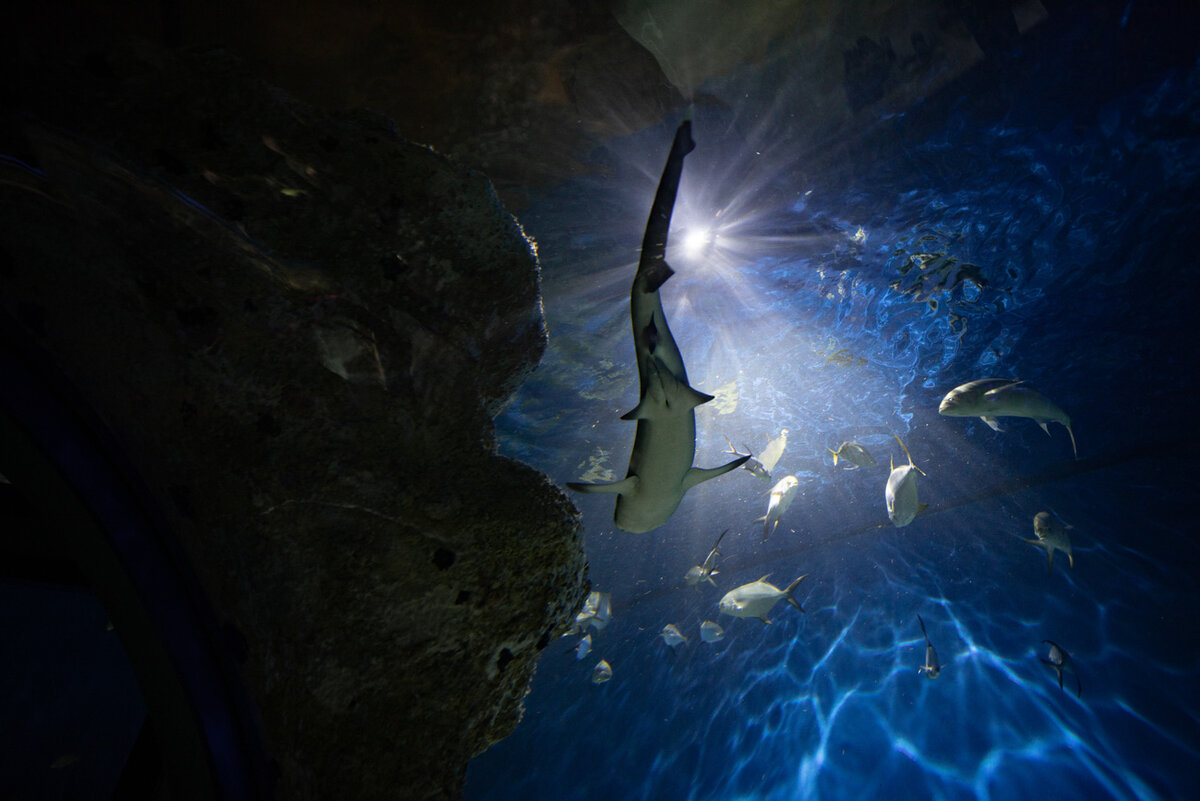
{"x":1014,"y":244}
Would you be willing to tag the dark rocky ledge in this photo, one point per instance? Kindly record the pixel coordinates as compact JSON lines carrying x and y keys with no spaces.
{"x":299,"y":326}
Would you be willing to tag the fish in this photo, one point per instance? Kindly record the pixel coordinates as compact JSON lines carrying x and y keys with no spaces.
{"x":705,"y":571}
{"x":932,"y":668}
{"x":672,"y":636}
{"x":901,"y":491}
{"x":854,"y":453}
{"x":711,"y":632}
{"x":989,"y":398}
{"x":1052,"y":535}
{"x":770,"y":454}
{"x":602,"y":672}
{"x":596,"y":612}
{"x":1061,"y":661}
{"x":781,"y":498}
{"x":752,"y":465}
{"x":584,"y":647}
{"x":664,"y":445}
{"x":757,"y":598}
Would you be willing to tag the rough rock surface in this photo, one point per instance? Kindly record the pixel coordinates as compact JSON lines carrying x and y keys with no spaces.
{"x":299,"y":325}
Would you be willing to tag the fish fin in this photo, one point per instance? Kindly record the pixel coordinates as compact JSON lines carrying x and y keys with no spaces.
{"x":626,"y":485}
{"x":992,"y":423}
{"x":1071,"y":561}
{"x":792,"y":588}
{"x":656,"y":273}
{"x":710,"y":578}
{"x":923,"y":634}
{"x":835,"y":456}
{"x":765,"y":619}
{"x":1045,"y":426}
{"x":762,"y":519}
{"x":922,"y":508}
{"x":1074,"y":449}
{"x":699,"y":474}
{"x":764,"y":578}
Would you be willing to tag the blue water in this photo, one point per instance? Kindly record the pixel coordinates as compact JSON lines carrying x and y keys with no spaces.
{"x":1065,"y":179}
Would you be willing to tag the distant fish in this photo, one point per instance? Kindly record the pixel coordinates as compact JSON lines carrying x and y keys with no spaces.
{"x":596,"y":612}
{"x":932,"y":668}
{"x":757,"y":598}
{"x":901,"y":491}
{"x":711,"y":632}
{"x":1060,"y":660}
{"x":1051,"y":535}
{"x":672,"y":636}
{"x":854,"y":453}
{"x":989,"y":398}
{"x":753,"y":465}
{"x":584,"y":648}
{"x":705,"y":571}
{"x":770,"y":454}
{"x":602,"y":672}
{"x":781,"y":498}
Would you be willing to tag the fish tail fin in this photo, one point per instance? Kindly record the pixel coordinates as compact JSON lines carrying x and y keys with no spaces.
{"x":835,"y":456}
{"x":1070,"y":434}
{"x":792,"y":588}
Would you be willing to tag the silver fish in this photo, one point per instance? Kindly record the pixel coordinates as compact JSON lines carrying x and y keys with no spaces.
{"x":1061,"y":661}
{"x":705,"y":571}
{"x":752,"y":465}
{"x":602,"y":672}
{"x":757,"y":598}
{"x":932,"y":668}
{"x":596,"y":612}
{"x":1051,"y":535}
{"x":989,"y":398}
{"x":672,"y":636}
{"x":901,"y":491}
{"x":781,"y":498}
{"x":711,"y":632}
{"x":773,"y":451}
{"x":584,"y":647}
{"x":664,"y":446}
{"x":854,"y":453}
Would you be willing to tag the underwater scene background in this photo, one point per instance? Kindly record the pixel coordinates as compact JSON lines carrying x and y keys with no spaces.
{"x":1033,"y":219}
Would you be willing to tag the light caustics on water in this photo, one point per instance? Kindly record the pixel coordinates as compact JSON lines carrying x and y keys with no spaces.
{"x":806,"y":309}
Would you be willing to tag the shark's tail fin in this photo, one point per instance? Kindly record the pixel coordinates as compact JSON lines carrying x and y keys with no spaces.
{"x":787,"y":593}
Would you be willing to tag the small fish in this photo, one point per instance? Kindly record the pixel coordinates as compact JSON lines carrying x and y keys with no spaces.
{"x":1051,"y":535}
{"x":672,"y":636}
{"x":602,"y":672}
{"x":770,"y":454}
{"x":901,"y":491}
{"x":584,"y":648}
{"x":932,"y":668}
{"x":1060,"y":660}
{"x":781,"y":498}
{"x":596,"y":612}
{"x":989,"y":398}
{"x":854,"y":453}
{"x":711,"y":632}
{"x":705,"y":571}
{"x":757,"y":598}
{"x":753,"y":465}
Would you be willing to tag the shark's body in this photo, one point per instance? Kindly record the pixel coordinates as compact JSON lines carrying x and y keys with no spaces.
{"x":932,"y":667}
{"x":1051,"y":536}
{"x":989,"y":398}
{"x":900,"y":494}
{"x":660,"y":465}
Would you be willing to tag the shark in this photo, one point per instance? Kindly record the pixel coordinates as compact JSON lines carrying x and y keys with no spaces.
{"x":661,"y":469}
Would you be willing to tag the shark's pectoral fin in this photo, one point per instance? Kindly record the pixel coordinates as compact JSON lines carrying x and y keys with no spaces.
{"x":992,"y":423}
{"x":625,"y":486}
{"x":699,"y":474}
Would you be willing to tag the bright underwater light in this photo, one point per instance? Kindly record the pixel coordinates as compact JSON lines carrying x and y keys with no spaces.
{"x":698,"y":240}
